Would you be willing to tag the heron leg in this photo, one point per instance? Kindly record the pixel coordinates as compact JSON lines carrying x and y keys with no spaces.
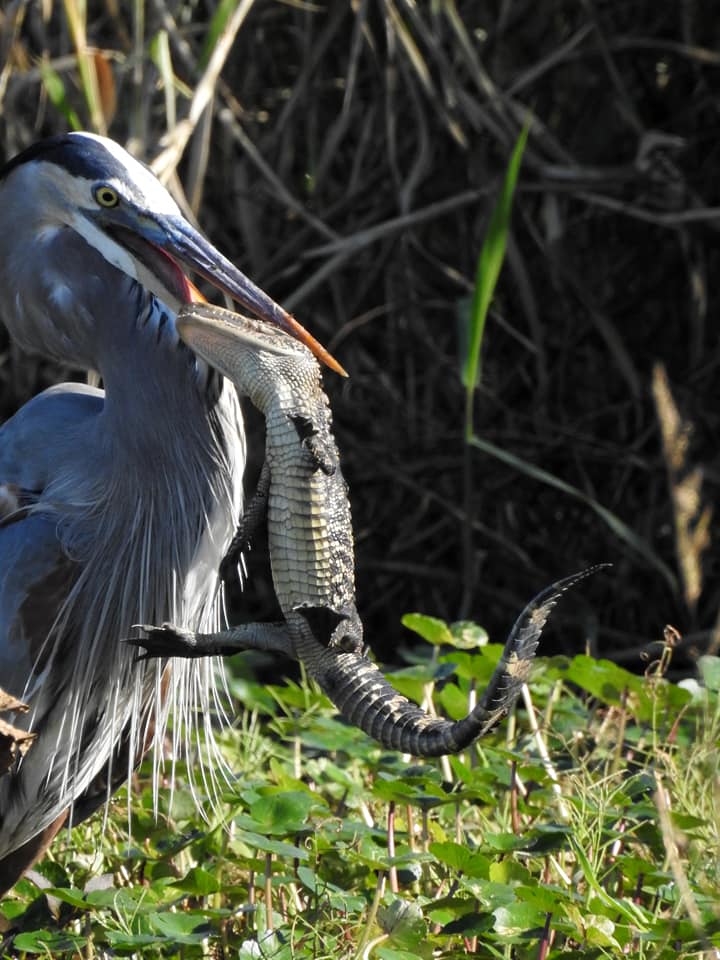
{"x":15,"y":864}
{"x":254,"y":514}
{"x":170,"y":641}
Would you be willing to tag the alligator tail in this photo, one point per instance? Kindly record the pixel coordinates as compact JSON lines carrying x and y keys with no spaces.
{"x":367,"y":700}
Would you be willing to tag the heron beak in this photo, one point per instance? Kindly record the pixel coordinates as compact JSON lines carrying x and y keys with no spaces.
{"x":182,"y":242}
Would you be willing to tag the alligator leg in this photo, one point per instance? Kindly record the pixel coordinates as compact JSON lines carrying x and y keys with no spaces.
{"x":321,"y":453}
{"x":171,"y":641}
{"x":254,"y":514}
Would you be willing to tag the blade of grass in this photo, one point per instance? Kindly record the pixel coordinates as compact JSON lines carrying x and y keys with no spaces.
{"x":55,"y":89}
{"x":167,"y":161}
{"x":162,"y":58}
{"x":489,"y":266}
{"x":13,"y":24}
{"x":631,"y":912}
{"x":620,"y":529}
{"x":138,"y":126}
{"x":76,"y":15}
{"x":218,"y":25}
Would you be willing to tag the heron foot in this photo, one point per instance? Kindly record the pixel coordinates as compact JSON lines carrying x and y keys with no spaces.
{"x":165,"y":641}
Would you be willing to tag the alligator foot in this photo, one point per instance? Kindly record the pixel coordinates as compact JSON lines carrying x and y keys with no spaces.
{"x":166,"y":641}
{"x":171,"y":641}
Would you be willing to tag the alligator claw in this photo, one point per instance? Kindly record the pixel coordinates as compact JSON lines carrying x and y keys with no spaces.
{"x":164,"y":641}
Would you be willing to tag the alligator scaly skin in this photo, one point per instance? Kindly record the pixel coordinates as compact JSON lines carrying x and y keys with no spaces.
{"x":311,"y":550}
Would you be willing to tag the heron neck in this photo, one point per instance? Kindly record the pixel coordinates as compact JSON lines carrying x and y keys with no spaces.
{"x":156,"y":398}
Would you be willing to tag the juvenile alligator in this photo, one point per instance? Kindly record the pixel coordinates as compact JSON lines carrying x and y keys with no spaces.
{"x":311,"y":550}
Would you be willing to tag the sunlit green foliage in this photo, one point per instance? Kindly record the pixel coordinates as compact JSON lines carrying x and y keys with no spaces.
{"x":333,"y":847}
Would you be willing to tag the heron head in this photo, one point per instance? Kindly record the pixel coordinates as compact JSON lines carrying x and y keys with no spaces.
{"x":92,"y":186}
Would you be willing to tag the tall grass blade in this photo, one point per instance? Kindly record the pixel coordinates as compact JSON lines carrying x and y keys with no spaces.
{"x":489,"y":265}
{"x":162,"y":58}
{"x":76,"y":15}
{"x":55,"y":89}
{"x":618,"y":527}
{"x":217,"y":27}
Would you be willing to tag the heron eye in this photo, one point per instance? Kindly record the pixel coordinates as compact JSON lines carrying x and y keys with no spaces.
{"x":106,"y":196}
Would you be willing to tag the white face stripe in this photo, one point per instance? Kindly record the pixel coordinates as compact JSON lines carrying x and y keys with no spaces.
{"x":119,"y":257}
{"x":115,"y":254}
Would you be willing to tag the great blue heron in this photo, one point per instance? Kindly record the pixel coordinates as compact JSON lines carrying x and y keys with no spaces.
{"x":124,"y":499}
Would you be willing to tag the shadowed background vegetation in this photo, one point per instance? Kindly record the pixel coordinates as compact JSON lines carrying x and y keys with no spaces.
{"x":347,"y":157}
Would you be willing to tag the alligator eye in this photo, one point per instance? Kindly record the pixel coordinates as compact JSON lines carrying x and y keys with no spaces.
{"x":106,"y":196}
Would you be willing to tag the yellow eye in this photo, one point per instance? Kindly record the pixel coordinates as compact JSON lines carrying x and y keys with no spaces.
{"x":106,"y":196}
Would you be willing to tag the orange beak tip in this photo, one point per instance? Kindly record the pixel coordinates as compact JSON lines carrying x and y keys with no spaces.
{"x":329,"y":360}
{"x":323,"y":355}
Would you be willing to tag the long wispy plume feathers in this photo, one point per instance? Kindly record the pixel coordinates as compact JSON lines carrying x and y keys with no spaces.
{"x":147,"y":544}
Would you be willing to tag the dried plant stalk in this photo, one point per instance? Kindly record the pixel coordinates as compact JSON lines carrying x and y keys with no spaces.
{"x":692,"y":518}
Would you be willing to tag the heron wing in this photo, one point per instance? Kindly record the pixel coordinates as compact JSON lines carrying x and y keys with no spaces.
{"x":35,"y":579}
{"x":36,"y":576}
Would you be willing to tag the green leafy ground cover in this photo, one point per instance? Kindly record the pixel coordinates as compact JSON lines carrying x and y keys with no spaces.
{"x":597,"y":836}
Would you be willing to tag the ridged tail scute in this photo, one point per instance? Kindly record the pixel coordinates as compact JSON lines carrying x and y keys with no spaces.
{"x":368,"y":701}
